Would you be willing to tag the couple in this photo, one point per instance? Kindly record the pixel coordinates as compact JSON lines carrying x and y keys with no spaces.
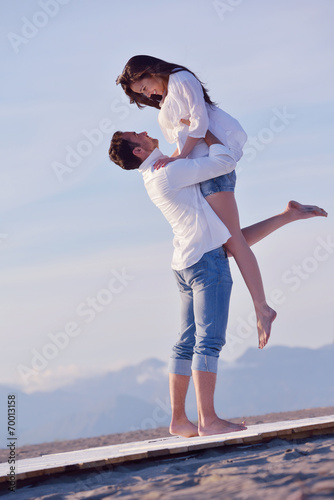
{"x":194,"y":191}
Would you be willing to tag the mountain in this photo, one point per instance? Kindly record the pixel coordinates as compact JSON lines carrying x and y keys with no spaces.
{"x":136,"y":397}
{"x":283,"y":379}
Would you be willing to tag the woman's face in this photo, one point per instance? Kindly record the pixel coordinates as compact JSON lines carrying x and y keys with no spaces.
{"x":151,"y":85}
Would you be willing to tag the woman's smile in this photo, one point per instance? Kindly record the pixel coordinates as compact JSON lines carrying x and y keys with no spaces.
{"x":148,"y":86}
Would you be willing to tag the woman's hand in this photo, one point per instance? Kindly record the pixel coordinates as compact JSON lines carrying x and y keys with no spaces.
{"x":162,"y":162}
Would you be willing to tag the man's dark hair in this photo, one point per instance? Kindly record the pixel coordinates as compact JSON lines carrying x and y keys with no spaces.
{"x":121,"y":152}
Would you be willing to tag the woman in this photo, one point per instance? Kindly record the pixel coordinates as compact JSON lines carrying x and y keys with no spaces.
{"x":186,"y":113}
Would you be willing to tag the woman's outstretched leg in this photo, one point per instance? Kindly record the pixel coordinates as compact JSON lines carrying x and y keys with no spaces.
{"x":224,"y":204}
{"x":293,"y":212}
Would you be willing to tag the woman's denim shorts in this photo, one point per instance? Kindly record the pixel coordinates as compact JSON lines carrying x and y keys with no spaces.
{"x":222,"y":183}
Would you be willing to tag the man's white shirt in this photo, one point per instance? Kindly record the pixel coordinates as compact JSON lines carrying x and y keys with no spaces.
{"x":175,"y":190}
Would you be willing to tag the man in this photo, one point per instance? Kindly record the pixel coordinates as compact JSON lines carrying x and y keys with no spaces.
{"x":200,"y":265}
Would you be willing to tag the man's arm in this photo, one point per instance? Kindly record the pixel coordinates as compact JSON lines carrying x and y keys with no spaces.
{"x":186,"y":172}
{"x":211,"y":139}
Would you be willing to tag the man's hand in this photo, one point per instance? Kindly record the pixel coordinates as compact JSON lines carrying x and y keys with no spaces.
{"x":162,"y":162}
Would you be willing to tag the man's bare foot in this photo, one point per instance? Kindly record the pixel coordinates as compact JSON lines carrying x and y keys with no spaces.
{"x":298,"y":211}
{"x":265,"y":317}
{"x":219,"y":426}
{"x":183,"y":428}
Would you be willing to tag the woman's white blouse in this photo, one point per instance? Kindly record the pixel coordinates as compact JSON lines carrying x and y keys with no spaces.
{"x":185,"y":100}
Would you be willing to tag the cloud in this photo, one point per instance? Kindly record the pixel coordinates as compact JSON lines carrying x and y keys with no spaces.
{"x":60,"y":376}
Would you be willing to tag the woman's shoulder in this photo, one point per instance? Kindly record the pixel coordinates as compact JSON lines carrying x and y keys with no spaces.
{"x":182,"y":76}
{"x":182,"y":83}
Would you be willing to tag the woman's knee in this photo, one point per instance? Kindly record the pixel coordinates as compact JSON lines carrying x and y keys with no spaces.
{"x":237,"y":240}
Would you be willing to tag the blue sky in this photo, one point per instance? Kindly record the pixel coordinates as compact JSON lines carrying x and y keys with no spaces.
{"x":89,"y":239}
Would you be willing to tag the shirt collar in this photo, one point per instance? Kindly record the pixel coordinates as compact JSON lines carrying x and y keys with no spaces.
{"x":155,"y":155}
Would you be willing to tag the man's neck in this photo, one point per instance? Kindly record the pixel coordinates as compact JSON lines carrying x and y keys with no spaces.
{"x":152,"y":157}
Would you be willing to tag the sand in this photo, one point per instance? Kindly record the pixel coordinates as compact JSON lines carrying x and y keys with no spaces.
{"x":279,"y":469}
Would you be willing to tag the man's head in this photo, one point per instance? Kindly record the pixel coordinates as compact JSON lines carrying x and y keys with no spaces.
{"x":129,"y":149}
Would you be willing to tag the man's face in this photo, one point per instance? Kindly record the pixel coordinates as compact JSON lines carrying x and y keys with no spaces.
{"x":145,"y":141}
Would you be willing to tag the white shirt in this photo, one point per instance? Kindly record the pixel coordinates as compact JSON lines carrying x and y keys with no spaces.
{"x":175,"y":191}
{"x":185,"y":100}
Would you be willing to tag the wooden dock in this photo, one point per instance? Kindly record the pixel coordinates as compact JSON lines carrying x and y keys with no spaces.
{"x":95,"y":458}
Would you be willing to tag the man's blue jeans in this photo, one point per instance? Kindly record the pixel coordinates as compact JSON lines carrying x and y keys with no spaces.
{"x":205,"y":290}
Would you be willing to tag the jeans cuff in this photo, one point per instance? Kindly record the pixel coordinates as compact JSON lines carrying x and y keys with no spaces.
{"x":204,"y":363}
{"x":180,"y":366}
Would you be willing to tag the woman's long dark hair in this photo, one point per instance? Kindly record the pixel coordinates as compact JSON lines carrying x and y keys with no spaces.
{"x":139,"y":67}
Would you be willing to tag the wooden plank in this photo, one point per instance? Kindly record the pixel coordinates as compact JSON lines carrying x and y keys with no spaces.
{"x":93,"y":458}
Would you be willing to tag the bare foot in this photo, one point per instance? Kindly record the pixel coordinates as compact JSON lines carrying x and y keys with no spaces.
{"x":298,"y":211}
{"x":219,"y":426}
{"x":265,"y":317}
{"x":183,"y":428}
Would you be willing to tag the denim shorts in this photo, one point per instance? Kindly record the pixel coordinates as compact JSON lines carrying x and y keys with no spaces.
{"x":205,"y":290}
{"x":222,"y":183}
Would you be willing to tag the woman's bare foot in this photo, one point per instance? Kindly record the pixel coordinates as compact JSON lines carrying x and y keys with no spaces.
{"x":265,"y":317}
{"x":183,"y":428}
{"x":298,"y":211}
{"x":219,"y":426}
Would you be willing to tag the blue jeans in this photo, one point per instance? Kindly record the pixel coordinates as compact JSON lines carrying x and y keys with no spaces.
{"x":205,"y":290}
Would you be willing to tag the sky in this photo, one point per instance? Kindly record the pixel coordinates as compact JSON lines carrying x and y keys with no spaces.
{"x":86,"y":283}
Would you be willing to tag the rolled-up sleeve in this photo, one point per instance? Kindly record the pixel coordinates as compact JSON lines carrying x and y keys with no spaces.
{"x":192,"y":93}
{"x":186,"y":172}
